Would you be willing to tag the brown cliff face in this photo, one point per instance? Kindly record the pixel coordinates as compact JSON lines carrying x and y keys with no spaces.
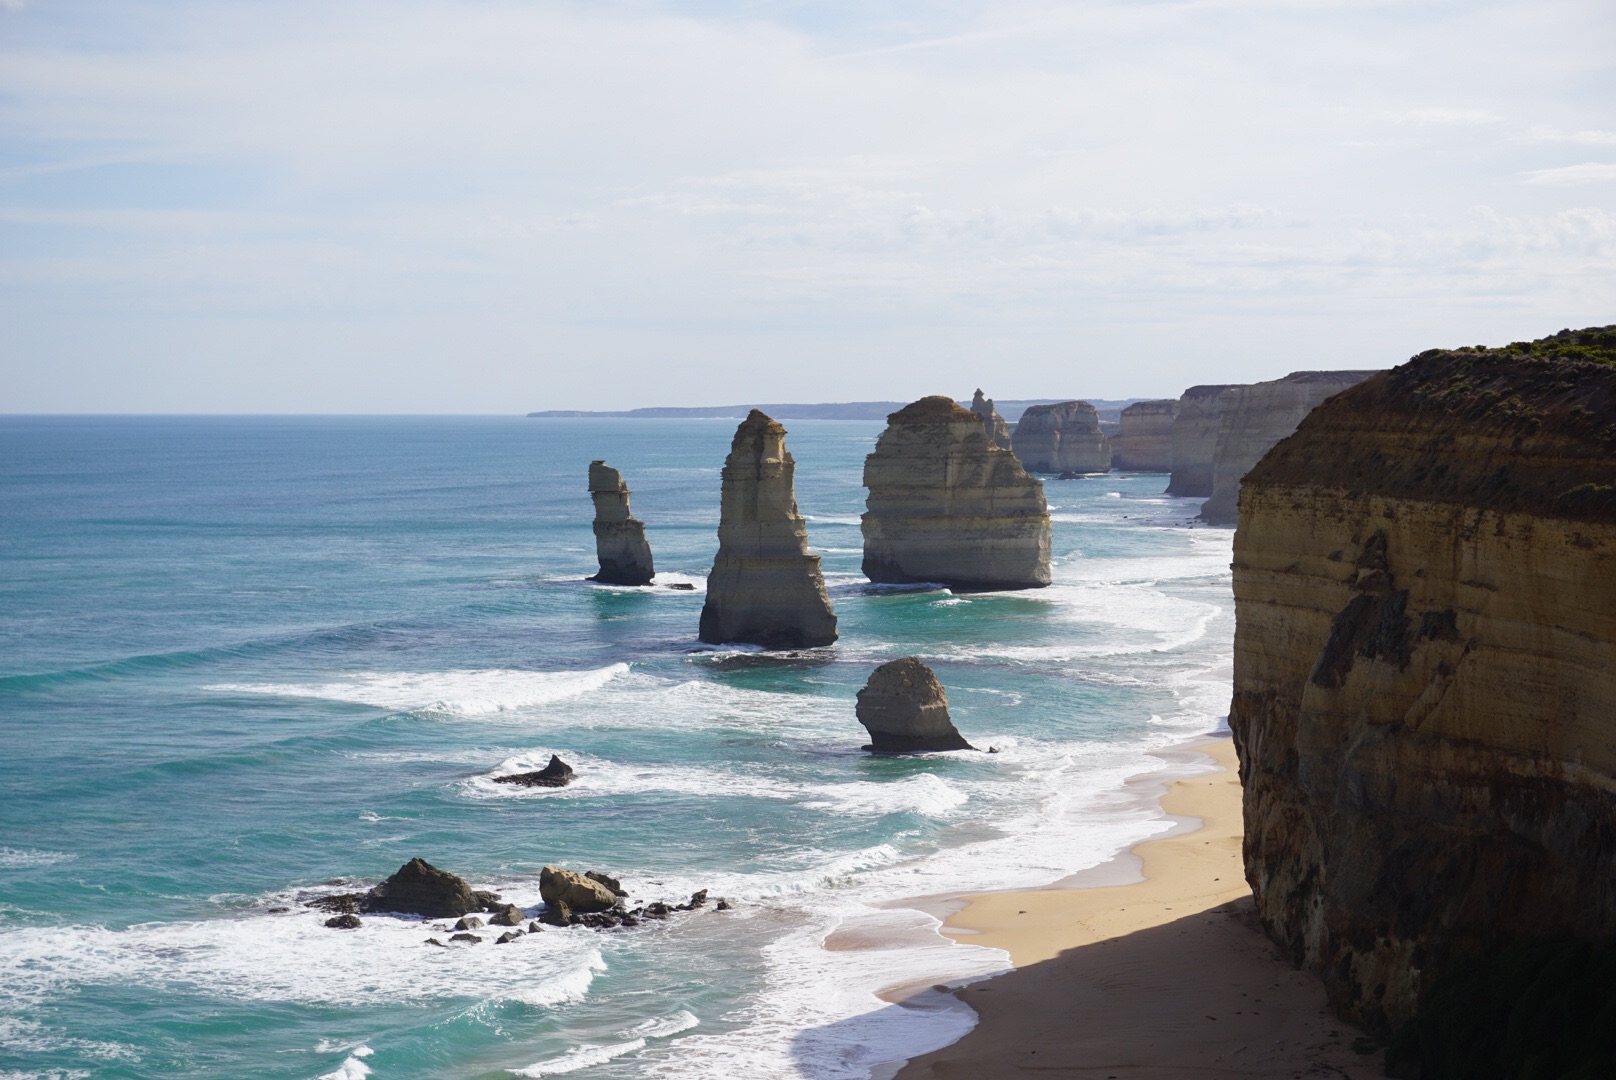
{"x":1144,"y":442}
{"x":620,"y":544}
{"x":1195,"y":439}
{"x":1425,"y":668}
{"x":998,"y":431}
{"x":765,"y":589}
{"x":946,"y":506}
{"x":1253,"y":418}
{"x":1062,"y":438}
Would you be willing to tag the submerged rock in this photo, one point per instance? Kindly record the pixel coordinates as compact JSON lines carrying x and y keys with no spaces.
{"x":572,"y":889}
{"x":470,"y":922}
{"x":1144,"y":442}
{"x":344,"y":922}
{"x":1195,"y":438}
{"x":507,"y":937}
{"x":905,"y":710}
{"x":1253,"y":418}
{"x":620,"y":545}
{"x":945,"y":505}
{"x":556,"y":774}
{"x":469,"y":939}
{"x":419,"y":888}
{"x":1065,"y":437}
{"x":998,"y":432}
{"x":765,"y":588}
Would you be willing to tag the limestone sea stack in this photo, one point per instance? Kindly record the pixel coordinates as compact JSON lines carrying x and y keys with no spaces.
{"x":998,"y":431}
{"x":946,"y":506}
{"x":1253,"y":418}
{"x":1144,"y":442}
{"x":620,"y":545}
{"x":1195,"y":439}
{"x":765,"y":589}
{"x":1425,"y":669}
{"x":905,"y":710}
{"x":1062,"y":438}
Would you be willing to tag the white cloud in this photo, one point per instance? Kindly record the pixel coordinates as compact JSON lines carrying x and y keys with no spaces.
{"x":1590,"y":173}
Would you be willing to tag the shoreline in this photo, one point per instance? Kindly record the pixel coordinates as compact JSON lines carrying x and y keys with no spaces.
{"x":1134,"y":967}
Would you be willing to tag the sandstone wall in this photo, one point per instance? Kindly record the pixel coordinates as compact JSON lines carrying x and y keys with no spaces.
{"x":1062,"y":438}
{"x":764,"y":589}
{"x":1195,"y":439}
{"x":1425,"y":671}
{"x":1144,"y":442}
{"x":1253,"y":418}
{"x":946,"y":506}
{"x":620,"y":545}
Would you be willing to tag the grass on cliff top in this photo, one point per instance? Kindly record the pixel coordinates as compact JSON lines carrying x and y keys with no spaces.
{"x":1596,"y":343}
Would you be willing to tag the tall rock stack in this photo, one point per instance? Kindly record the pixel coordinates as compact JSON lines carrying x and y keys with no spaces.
{"x":998,"y":431}
{"x":1145,"y":440}
{"x":765,"y":589}
{"x":1062,"y":438}
{"x":1253,"y":418}
{"x":1195,"y":438}
{"x":1425,"y":668}
{"x":947,"y":506}
{"x":620,"y":545}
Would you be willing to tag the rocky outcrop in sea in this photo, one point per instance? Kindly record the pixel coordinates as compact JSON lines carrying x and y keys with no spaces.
{"x":1144,"y":442}
{"x":620,"y":544}
{"x":1195,"y":439}
{"x":765,"y":588}
{"x":946,"y":506}
{"x":1253,"y":418}
{"x":997,"y":430}
{"x":905,"y":710}
{"x":1425,"y":669}
{"x":1062,"y":438}
{"x":556,"y":774}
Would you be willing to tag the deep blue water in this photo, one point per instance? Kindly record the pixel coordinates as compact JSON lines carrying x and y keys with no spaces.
{"x":242,"y":659}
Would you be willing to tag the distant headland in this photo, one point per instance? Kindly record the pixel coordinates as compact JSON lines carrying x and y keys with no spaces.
{"x":1110,"y":411}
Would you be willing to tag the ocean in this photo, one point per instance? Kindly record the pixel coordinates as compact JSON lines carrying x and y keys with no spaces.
{"x":247,"y":660}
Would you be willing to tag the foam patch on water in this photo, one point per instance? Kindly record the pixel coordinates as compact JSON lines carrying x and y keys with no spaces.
{"x":27,"y":858}
{"x":452,"y":693}
{"x":589,"y":1055}
{"x":354,"y":1068}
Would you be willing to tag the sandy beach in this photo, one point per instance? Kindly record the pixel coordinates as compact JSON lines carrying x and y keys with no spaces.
{"x":1165,"y":977}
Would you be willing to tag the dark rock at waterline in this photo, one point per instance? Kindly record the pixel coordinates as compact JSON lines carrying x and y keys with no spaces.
{"x":682,"y":586}
{"x":279,"y":910}
{"x":556,"y":774}
{"x":470,"y":939}
{"x":905,"y":710}
{"x":338,"y":904}
{"x":470,"y":922}
{"x":487,"y":901}
{"x":509,"y":915}
{"x":344,"y":922}
{"x":435,"y":941}
{"x":419,"y":888}
{"x":508,"y":936}
{"x":722,"y":905}
{"x":606,"y":880}
{"x":534,"y":927}
{"x":556,"y":914}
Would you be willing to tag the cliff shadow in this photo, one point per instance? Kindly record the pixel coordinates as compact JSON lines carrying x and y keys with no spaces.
{"x":1206,"y":995}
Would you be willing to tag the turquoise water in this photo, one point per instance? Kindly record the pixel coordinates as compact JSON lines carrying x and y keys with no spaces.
{"x":242,"y":659}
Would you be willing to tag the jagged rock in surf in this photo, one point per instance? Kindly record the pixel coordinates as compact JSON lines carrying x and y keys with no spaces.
{"x":765,"y":588}
{"x":998,"y":431}
{"x":945,"y":505}
{"x":509,"y":915}
{"x":344,"y":922}
{"x":1144,"y":442}
{"x":1195,"y":438}
{"x":1065,"y":437}
{"x":419,"y":888}
{"x":620,"y":544}
{"x":556,"y":774}
{"x":905,"y":710}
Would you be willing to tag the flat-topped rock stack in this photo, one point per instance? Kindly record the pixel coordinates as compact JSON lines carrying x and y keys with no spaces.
{"x":620,"y":544}
{"x":1253,"y":418}
{"x":947,"y":506}
{"x":905,"y":710}
{"x":998,"y":431}
{"x":765,"y":588}
{"x":1062,"y":438}
{"x":1195,"y":438}
{"x":1144,"y":442}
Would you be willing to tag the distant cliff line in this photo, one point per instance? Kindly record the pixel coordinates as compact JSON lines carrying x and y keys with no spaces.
{"x":1109,"y":410}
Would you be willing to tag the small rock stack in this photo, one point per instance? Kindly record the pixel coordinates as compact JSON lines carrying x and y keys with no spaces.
{"x":905,"y":710}
{"x":620,"y":544}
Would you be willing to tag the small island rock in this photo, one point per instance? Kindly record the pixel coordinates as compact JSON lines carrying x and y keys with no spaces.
{"x":556,"y":774}
{"x":419,"y":888}
{"x":905,"y":710}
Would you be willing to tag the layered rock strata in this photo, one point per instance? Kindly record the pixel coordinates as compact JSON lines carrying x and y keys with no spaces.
{"x":1195,"y":439}
{"x":1425,"y":668}
{"x":1253,"y":418}
{"x":1144,"y":442}
{"x":905,"y":710}
{"x":765,"y":589}
{"x":946,"y":506}
{"x":1062,"y":438}
{"x":620,"y":545}
{"x":997,"y":430}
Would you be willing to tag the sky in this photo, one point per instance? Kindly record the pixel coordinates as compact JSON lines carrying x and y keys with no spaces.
{"x":488,"y":206}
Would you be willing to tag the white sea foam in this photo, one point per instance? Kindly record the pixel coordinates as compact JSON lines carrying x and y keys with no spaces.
{"x":580,"y":1058}
{"x":663,"y":1026}
{"x":353,"y":1068}
{"x":452,"y":693}
{"x":26,"y":858}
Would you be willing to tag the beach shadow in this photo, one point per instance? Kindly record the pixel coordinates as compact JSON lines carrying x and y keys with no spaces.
{"x":1203,"y":996}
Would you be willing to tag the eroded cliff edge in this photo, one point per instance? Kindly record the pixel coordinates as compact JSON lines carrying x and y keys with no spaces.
{"x":1425,"y":668}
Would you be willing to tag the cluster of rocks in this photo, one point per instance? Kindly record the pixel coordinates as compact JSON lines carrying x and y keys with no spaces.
{"x":593,"y":899}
